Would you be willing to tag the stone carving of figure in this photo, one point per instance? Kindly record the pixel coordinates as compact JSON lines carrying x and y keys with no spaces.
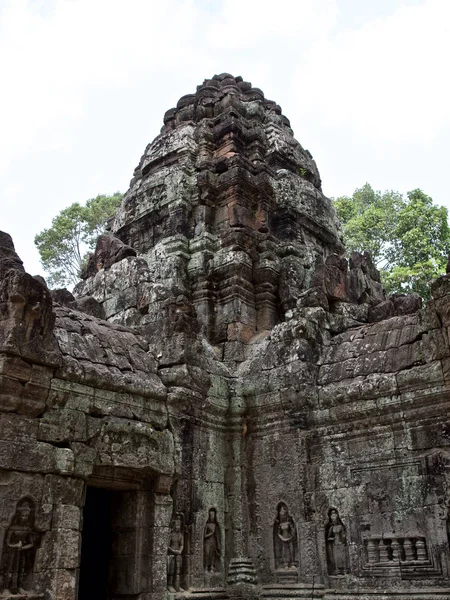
{"x":211,"y":542}
{"x":448,"y":525}
{"x":284,"y":539}
{"x":175,"y":553}
{"x":19,"y":549}
{"x":336,"y":544}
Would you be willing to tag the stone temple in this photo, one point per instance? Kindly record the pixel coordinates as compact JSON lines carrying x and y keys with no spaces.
{"x":226,"y":406}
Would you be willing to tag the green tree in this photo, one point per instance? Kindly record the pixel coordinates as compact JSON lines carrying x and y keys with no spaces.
{"x":409,"y":238}
{"x":98,"y":211}
{"x":367,"y":223}
{"x":63,"y":246}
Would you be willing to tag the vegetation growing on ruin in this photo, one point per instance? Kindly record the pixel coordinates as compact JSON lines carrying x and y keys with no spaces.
{"x":63,"y":246}
{"x":408,"y":237}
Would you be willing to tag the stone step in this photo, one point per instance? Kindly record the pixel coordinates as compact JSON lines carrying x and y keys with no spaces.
{"x":204,"y":594}
{"x":296,"y":590}
{"x":411,"y":594}
{"x":7,"y":595}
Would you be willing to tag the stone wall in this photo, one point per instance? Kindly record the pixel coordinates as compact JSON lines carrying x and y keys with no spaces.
{"x":225,"y":404}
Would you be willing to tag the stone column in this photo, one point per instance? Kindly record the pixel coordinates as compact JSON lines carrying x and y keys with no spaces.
{"x":266,"y":274}
{"x":408,"y":548}
{"x":373,"y":551}
{"x":235,"y":484}
{"x":159,"y":534}
{"x":235,"y":297}
{"x":421,"y":550}
{"x":384,"y":554}
{"x":395,"y":550}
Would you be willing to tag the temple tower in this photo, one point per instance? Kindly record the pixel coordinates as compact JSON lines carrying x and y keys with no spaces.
{"x":226,"y":405}
{"x":228,"y":189}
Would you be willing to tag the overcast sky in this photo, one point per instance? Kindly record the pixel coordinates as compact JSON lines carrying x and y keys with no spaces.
{"x":85,"y":84}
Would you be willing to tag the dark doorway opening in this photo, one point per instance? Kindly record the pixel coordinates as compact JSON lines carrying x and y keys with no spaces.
{"x":95,"y":545}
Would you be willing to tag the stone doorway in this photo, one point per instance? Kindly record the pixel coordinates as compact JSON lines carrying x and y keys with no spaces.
{"x":116,"y":558}
{"x":96,"y":547}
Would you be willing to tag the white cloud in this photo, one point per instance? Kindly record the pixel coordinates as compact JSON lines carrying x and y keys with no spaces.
{"x":244,"y":23}
{"x":386,"y":80}
{"x":86,"y":82}
{"x":52,"y":61}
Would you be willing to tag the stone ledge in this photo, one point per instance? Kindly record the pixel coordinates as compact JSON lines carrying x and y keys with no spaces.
{"x":200,"y":594}
{"x":297,"y":590}
{"x":424,"y":594}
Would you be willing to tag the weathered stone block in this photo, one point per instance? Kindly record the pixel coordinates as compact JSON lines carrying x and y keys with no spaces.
{"x":435,"y":345}
{"x":15,"y":368}
{"x":404,"y":357}
{"x":380,"y":312}
{"x":440,"y":287}
{"x":406,"y":304}
{"x":37,"y":457}
{"x":446,"y":369}
{"x":379,"y":384}
{"x":18,"y":427}
{"x":10,"y":393}
{"x":63,"y":490}
{"x":347,"y":390}
{"x":60,"y":584}
{"x":60,"y":549}
{"x":84,"y":459}
{"x":373,"y":362}
{"x":421,"y":377}
{"x":67,"y":516}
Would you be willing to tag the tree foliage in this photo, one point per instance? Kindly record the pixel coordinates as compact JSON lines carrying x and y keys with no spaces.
{"x":63,"y":246}
{"x":409,"y":238}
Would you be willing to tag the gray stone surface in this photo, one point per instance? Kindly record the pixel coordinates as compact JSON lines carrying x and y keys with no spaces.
{"x":226,"y":405}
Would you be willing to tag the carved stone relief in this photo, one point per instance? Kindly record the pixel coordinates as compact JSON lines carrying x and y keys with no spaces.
{"x":211,"y":543}
{"x":19,"y":550}
{"x":235,"y":258}
{"x":448,"y":525}
{"x":175,"y":553}
{"x":336,"y":544}
{"x":401,"y":554}
{"x":386,"y":550}
{"x":285,"y":545}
